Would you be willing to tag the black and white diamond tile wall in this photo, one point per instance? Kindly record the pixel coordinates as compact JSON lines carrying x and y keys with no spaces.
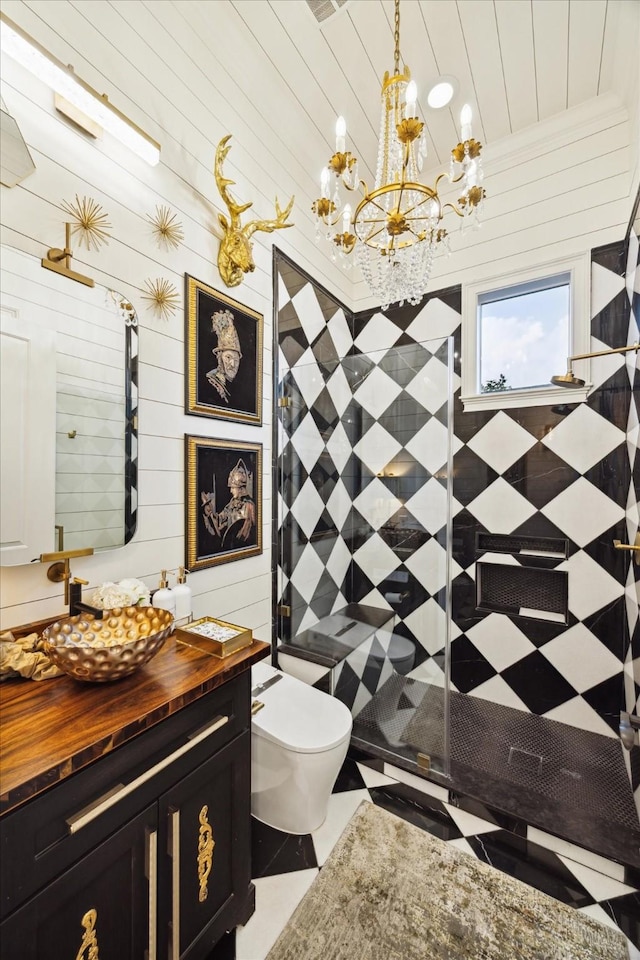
{"x":363,"y":457}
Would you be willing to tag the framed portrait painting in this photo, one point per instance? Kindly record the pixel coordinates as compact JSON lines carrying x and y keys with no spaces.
{"x":223,"y":342}
{"x":223,"y":501}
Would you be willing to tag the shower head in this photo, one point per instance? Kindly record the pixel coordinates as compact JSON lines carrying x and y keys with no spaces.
{"x":567,"y":379}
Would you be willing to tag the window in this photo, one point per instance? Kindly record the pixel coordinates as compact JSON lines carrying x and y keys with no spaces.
{"x":518,"y":331}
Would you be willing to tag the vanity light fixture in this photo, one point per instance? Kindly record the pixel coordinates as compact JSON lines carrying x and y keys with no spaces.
{"x":75,"y":99}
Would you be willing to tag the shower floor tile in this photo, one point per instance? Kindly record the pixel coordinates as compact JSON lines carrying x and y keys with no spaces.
{"x":570,"y":782}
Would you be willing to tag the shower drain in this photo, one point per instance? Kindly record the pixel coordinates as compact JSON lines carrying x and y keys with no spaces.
{"x":524,"y":761}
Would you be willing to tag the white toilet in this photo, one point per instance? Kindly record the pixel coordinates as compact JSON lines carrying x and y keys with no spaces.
{"x":299,"y":740}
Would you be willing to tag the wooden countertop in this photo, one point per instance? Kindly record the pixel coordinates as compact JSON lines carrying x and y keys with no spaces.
{"x":49,"y":729}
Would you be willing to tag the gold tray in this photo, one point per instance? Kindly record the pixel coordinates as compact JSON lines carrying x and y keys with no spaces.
{"x":214,"y":637}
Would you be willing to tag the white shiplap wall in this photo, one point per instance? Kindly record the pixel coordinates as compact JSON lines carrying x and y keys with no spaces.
{"x":190,"y":72}
{"x":154,"y":67}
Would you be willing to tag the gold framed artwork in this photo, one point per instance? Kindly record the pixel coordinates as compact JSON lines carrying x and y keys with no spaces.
{"x":223,"y":501}
{"x":223,"y":341}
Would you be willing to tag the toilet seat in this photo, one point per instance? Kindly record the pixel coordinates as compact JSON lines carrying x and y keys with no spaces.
{"x":301,"y":719}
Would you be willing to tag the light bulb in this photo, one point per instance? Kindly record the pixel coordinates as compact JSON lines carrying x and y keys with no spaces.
{"x":341,"y":132}
{"x":411,"y":97}
{"x":346,"y":218}
{"x":466,"y":115}
{"x":324,"y":181}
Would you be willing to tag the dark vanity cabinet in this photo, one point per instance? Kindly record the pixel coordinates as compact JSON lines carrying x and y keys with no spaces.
{"x":144,"y":854}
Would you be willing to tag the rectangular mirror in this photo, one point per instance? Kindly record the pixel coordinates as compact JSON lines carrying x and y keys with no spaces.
{"x":69,"y":413}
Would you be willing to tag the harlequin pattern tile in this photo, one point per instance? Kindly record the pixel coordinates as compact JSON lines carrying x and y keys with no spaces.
{"x":365,"y":452}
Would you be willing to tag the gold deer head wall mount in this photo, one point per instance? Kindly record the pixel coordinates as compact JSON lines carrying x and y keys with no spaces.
{"x":235,"y":256}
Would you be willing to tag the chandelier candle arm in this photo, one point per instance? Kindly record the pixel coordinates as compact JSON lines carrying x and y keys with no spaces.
{"x":396,"y":228}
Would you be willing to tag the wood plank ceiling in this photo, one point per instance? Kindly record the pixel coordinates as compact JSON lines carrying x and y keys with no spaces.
{"x":516,"y":62}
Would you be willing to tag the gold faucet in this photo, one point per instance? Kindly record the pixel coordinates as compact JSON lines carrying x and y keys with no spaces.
{"x":60,"y":569}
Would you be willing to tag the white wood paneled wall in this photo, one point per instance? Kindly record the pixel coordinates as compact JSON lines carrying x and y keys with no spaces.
{"x":154,"y":67}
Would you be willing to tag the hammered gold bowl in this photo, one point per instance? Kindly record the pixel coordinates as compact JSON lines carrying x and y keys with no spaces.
{"x":96,"y":650}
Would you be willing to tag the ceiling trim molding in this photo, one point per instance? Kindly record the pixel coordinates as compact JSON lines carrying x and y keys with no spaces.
{"x":556,"y":132}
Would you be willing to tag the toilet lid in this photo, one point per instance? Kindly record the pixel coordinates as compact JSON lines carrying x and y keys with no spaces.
{"x":296,"y":715}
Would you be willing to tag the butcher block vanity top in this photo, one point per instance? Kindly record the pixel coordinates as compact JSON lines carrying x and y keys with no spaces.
{"x":50,"y":729}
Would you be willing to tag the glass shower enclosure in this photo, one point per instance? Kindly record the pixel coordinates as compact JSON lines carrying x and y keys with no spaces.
{"x":363,"y":537}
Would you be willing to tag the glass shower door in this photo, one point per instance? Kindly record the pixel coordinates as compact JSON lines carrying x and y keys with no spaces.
{"x":364,"y":539}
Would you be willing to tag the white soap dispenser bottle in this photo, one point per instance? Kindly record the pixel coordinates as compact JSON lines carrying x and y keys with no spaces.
{"x":163,"y":597}
{"x":182,"y":594}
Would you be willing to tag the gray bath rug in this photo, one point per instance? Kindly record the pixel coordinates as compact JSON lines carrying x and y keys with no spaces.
{"x":390,"y":891}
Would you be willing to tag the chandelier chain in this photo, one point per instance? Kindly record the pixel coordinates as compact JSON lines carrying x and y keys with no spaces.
{"x":396,"y":37}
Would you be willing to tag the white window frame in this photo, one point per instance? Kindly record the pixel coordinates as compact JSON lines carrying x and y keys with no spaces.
{"x":578,"y":269}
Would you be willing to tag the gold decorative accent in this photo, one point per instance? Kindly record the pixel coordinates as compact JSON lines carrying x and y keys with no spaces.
{"x":340,"y":162}
{"x":409,"y":129}
{"x":59,"y":261}
{"x":470,"y":148}
{"x":323,"y":207}
{"x":163,"y":295}
{"x":424,"y":761}
{"x":395,"y":227}
{"x":214,"y":637}
{"x":91,"y":222}
{"x":89,"y":946}
{"x":235,"y":257}
{"x":167,"y":229}
{"x":206,"y":843}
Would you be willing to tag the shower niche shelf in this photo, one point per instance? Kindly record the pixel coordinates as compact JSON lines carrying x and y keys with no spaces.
{"x":547,"y":548}
{"x":533,"y":592}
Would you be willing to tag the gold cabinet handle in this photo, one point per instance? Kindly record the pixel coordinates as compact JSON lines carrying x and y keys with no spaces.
{"x":79,"y":820}
{"x":152,"y":876}
{"x":256,"y":706}
{"x":633,"y":547}
{"x":174,"y":853}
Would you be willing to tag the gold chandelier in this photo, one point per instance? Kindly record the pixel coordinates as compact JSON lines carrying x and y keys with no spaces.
{"x":396,"y":228}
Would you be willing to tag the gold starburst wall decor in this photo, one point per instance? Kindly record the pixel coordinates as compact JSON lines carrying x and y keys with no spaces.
{"x":90,"y":222}
{"x":163,"y":296}
{"x":167,"y":229}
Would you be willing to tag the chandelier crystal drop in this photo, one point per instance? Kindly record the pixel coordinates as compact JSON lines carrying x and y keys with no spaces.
{"x":396,"y":228}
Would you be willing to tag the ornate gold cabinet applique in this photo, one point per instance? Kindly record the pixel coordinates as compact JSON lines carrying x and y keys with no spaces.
{"x":89,"y":946}
{"x":206,"y":843}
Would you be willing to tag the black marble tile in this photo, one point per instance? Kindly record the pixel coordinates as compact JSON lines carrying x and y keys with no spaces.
{"x":471,"y":475}
{"x":626,"y":913}
{"x":349,"y":777}
{"x":417,"y":808}
{"x":468,"y":667}
{"x":606,"y":699}
{"x":225,"y":948}
{"x":493,"y":850}
{"x":610,"y":626}
{"x":611,"y":256}
{"x":274,"y":852}
{"x":611,"y":324}
{"x":537,"y":682}
{"x":540,"y":475}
